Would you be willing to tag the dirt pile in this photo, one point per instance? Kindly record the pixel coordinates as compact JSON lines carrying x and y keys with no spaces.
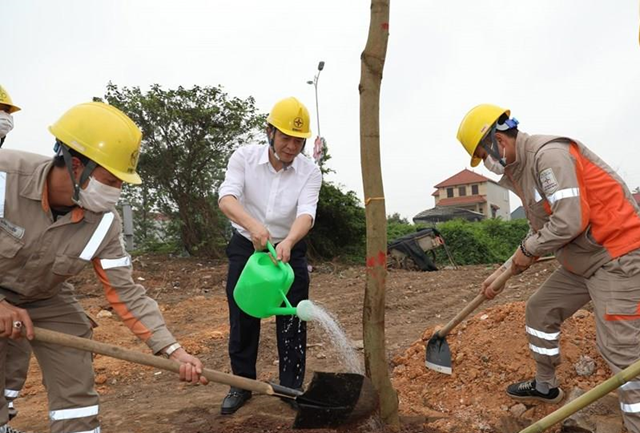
{"x":489,"y":352}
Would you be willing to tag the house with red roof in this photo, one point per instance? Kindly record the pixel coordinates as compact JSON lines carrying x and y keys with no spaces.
{"x":467,"y":195}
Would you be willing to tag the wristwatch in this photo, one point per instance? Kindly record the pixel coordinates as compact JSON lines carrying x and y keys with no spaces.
{"x":169,"y":350}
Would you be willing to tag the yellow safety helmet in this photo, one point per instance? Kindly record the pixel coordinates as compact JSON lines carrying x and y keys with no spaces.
{"x":6,"y":100}
{"x":290,"y":117}
{"x":103,"y":134}
{"x":476,"y":125}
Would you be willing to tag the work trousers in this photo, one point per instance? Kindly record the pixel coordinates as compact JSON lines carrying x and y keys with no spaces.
{"x":16,"y":369}
{"x":244,"y":333}
{"x":615,"y":292}
{"x":67,"y":373}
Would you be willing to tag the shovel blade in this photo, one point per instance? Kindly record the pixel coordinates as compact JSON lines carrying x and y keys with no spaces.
{"x":438,"y":357}
{"x":335,"y":399}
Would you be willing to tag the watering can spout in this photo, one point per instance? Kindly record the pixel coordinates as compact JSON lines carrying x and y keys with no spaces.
{"x":284,"y":311}
{"x":305,"y":310}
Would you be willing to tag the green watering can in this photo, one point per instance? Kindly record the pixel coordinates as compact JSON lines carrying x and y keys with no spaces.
{"x":263,"y":286}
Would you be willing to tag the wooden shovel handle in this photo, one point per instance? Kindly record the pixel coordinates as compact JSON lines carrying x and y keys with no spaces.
{"x":497,"y":285}
{"x":53,"y":337}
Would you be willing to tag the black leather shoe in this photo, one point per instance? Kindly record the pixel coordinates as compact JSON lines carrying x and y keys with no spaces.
{"x":234,"y":400}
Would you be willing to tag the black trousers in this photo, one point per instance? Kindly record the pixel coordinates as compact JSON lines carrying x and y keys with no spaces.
{"x":244,"y":334}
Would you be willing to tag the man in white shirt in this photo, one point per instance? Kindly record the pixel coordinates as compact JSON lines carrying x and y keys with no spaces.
{"x":270,"y":193}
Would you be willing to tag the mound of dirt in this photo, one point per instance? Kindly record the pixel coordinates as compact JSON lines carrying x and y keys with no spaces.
{"x":489,"y":352}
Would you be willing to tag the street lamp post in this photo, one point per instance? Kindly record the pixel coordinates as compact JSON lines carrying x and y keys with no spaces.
{"x":315,"y":85}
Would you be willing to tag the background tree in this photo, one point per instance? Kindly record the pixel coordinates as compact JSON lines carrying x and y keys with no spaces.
{"x":188,"y":137}
{"x":396,"y":218}
{"x":339,"y":229}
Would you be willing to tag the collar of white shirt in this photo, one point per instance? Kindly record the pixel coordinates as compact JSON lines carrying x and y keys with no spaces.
{"x":264,"y":158}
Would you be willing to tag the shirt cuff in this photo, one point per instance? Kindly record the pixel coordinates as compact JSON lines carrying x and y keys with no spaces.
{"x":312,"y":215}
{"x":159,"y":340}
{"x":533,"y":247}
{"x":229,"y":191}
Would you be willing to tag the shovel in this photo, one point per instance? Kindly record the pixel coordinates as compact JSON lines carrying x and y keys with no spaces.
{"x":331,"y":400}
{"x":438,"y":355}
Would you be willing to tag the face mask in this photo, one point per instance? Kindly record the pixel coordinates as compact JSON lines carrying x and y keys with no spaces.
{"x":495,"y":166}
{"x":6,"y":123}
{"x":98,"y":197}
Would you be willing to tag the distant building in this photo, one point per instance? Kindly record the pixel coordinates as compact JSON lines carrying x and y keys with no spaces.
{"x":441,"y":214}
{"x":518,"y":213}
{"x":467,"y":195}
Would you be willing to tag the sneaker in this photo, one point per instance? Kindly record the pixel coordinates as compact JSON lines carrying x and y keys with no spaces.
{"x":527,"y":391}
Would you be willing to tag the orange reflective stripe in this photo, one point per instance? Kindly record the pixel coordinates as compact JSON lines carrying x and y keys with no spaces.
{"x":584,"y":194}
{"x":615,"y":223}
{"x":617,"y":317}
{"x":120,"y":307}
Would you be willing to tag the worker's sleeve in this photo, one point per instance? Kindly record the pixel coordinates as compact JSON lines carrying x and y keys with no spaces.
{"x":128,"y":299}
{"x":308,"y":199}
{"x":560,"y":179}
{"x":233,"y":183}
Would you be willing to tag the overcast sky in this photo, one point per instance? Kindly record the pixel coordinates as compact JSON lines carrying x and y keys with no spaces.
{"x":569,"y":67}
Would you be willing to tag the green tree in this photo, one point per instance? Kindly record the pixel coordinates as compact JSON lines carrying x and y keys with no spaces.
{"x":339,"y":229}
{"x":398,"y":226}
{"x":188,"y":137}
{"x":396,"y":218}
{"x":487,"y":241}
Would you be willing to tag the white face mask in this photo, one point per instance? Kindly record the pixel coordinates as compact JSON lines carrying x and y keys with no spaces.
{"x":98,"y":197}
{"x":6,"y":123}
{"x":495,"y":166}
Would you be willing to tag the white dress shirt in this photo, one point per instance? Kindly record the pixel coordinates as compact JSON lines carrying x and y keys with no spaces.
{"x":275,"y":198}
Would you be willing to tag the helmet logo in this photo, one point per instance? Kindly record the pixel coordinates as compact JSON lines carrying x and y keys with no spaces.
{"x":298,"y":122}
{"x":133,"y":162}
{"x":3,"y":94}
{"x":484,"y":128}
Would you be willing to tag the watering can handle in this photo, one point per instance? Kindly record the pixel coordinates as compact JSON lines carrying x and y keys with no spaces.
{"x":275,"y":255}
{"x":272,"y":250}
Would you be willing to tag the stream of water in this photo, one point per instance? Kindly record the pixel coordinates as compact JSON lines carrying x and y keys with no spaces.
{"x":347,"y":355}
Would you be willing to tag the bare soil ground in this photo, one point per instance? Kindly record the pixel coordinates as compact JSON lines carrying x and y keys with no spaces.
{"x":489,"y":350}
